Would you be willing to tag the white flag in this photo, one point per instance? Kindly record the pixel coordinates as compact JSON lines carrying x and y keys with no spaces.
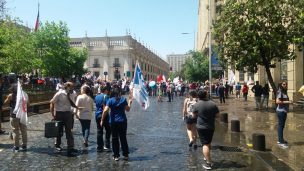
{"x":21,"y":104}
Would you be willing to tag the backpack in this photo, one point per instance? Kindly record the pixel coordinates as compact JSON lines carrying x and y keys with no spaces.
{"x":189,"y":105}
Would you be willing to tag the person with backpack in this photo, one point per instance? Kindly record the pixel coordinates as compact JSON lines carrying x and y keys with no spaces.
{"x":189,"y":118}
{"x":100,"y":102}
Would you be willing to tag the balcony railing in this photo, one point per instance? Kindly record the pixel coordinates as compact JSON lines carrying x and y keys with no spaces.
{"x":96,"y":65}
{"x":116,"y":64}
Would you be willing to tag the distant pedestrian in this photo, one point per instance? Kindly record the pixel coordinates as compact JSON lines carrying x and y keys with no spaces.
{"x":16,"y":123}
{"x":257,"y":89}
{"x":245,"y":91}
{"x":221,"y":92}
{"x":118,"y":121}
{"x":206,"y":112}
{"x":238,"y":90}
{"x":265,"y":95}
{"x":100,"y":102}
{"x":159,"y":93}
{"x":190,"y":119}
{"x":60,"y":107}
{"x":84,"y":112}
{"x":282,"y":100}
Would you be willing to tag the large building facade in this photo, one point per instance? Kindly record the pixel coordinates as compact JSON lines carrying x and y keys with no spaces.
{"x":290,"y":71}
{"x":113,"y":58}
{"x":176,"y":61}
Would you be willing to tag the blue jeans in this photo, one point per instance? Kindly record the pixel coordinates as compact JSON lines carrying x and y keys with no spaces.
{"x":282,"y":118}
{"x":85,"y":125}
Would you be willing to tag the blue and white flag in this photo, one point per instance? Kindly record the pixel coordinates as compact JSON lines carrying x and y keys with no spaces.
{"x":140,"y":93}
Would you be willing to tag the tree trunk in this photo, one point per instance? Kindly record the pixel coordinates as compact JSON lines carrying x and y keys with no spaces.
{"x":270,"y":79}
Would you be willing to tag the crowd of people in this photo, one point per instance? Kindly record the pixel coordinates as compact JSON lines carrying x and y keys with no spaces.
{"x":199,"y":112}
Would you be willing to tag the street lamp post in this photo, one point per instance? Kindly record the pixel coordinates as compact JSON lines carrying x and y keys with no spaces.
{"x":193,"y":38}
{"x":210,"y":51}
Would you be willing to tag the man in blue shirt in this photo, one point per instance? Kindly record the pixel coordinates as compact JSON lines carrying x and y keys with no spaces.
{"x":101,"y":101}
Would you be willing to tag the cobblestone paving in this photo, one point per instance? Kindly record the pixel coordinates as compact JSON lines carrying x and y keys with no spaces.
{"x":157,"y":140}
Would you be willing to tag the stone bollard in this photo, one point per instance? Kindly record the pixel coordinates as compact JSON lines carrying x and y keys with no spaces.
{"x":224,"y":117}
{"x":258,"y":141}
{"x":235,"y":125}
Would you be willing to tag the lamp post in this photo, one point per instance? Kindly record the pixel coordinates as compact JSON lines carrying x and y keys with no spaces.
{"x":210,"y":50}
{"x":193,"y":38}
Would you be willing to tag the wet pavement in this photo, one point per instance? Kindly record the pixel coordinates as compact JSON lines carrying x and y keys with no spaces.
{"x":158,"y":140}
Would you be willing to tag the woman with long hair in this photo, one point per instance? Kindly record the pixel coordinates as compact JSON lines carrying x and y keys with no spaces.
{"x":118,"y":122}
{"x":282,"y":100}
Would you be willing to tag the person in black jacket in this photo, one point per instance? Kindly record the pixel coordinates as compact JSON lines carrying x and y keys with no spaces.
{"x":257,"y":89}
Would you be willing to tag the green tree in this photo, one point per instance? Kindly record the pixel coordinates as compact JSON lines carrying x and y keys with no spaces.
{"x":252,"y":33}
{"x":196,"y":68}
{"x":16,"y":47}
{"x":53,"y":48}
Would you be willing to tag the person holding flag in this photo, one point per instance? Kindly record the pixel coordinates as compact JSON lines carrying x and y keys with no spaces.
{"x":140,"y":93}
{"x":18,"y":103}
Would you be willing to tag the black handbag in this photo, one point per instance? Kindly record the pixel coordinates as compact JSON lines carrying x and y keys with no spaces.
{"x":52,"y":129}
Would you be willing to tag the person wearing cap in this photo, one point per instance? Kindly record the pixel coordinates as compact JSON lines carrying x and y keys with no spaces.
{"x":60,"y":107}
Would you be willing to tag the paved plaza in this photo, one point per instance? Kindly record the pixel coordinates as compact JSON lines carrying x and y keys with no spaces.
{"x":158,"y":141}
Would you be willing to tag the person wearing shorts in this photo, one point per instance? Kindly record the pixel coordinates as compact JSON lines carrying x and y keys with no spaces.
{"x":206,"y":111}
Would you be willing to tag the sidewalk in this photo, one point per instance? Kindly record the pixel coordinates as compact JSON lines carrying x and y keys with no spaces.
{"x":265,"y":122}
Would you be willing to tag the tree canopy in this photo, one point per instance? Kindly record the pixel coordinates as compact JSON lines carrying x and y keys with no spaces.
{"x":196,"y":68}
{"x":251,"y":33}
{"x":53,"y":49}
{"x":16,"y":47}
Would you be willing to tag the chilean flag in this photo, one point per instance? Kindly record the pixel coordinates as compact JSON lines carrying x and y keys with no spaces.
{"x":21,"y":104}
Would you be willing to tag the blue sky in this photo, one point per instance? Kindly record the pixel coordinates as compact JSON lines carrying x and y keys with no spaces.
{"x":157,"y":23}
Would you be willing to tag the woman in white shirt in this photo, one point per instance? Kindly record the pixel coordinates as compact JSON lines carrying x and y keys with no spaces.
{"x":84,"y":113}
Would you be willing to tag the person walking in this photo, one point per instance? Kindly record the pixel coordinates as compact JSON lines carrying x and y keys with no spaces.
{"x":238,"y":90}
{"x":206,"y":111}
{"x":84,"y":112}
{"x":245,"y":91}
{"x":16,"y":123}
{"x":159,"y":93}
{"x":118,"y":122}
{"x":60,"y":107}
{"x":265,"y":96}
{"x":221,"y":92}
{"x":282,"y":101}
{"x":257,"y":89}
{"x":100,"y":103}
{"x":189,"y":118}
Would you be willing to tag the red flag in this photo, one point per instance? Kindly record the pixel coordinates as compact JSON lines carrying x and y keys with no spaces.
{"x":37,"y":20}
{"x":159,"y":78}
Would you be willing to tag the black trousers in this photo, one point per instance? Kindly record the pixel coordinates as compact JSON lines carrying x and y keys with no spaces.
{"x":119,"y":136}
{"x":106,"y":125}
{"x":66,"y":119}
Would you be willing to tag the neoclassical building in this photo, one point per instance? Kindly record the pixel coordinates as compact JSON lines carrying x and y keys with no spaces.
{"x":290,"y":71}
{"x":115,"y":57}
